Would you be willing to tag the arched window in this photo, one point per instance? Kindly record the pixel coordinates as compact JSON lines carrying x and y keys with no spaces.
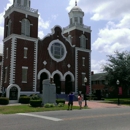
{"x":9,"y":28}
{"x":83,"y":41}
{"x":25,"y":27}
{"x":70,"y":38}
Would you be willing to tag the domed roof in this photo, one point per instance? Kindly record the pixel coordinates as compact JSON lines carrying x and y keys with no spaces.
{"x":76,"y":8}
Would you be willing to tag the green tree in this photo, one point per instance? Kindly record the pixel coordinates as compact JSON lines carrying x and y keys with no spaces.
{"x":118,"y":68}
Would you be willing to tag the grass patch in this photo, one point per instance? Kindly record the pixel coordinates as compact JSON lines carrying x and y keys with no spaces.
{"x":123,"y":101}
{"x":27,"y":108}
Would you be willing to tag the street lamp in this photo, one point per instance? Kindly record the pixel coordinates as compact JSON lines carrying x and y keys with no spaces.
{"x":85,"y":98}
{"x":118,"y":82}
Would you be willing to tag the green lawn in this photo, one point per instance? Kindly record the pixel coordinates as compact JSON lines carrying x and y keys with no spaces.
{"x":123,"y":101}
{"x":28,"y":108}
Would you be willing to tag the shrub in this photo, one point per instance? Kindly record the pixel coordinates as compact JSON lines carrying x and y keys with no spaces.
{"x":36,"y":103}
{"x":24,"y":99}
{"x":60,"y":105}
{"x":23,"y":95}
{"x":4,"y":100}
{"x":48,"y":105}
{"x":60,"y":101}
{"x":34,"y":97}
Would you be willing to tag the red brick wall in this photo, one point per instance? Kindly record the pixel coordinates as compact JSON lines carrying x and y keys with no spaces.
{"x":76,"y":40}
{"x":52,"y":65}
{"x":21,"y":61}
{"x":6,"y":63}
{"x":83,"y":69}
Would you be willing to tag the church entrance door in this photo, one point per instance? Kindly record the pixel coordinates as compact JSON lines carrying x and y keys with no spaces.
{"x":68,"y":84}
{"x":57,"y":83}
{"x":42,"y":77}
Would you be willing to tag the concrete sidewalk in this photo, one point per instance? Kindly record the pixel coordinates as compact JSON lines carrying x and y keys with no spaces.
{"x":99,"y":104}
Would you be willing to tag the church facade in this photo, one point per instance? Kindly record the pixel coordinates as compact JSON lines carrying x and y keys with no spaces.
{"x":64,"y":54}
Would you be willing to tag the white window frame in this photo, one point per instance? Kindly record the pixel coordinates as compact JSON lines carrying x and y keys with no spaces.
{"x":25,"y":27}
{"x":24,"y":79}
{"x":9,"y":28}
{"x":6,"y":73}
{"x":70,"y":38}
{"x":83,"y":41}
{"x":25,"y":52}
{"x":83,"y":61}
{"x":50,"y":52}
{"x":7,"y":52}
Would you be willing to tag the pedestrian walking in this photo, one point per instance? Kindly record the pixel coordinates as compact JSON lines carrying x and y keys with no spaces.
{"x":80,"y":99}
{"x":70,"y":102}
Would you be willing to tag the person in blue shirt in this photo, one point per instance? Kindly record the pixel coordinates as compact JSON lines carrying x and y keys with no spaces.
{"x":70,"y":103}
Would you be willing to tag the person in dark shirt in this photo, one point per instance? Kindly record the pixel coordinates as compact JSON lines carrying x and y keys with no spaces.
{"x":70,"y":103}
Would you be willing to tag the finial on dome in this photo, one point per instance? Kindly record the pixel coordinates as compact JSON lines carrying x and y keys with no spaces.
{"x":75,"y":2}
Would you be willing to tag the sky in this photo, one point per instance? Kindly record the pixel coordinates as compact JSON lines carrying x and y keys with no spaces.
{"x":109,"y":21}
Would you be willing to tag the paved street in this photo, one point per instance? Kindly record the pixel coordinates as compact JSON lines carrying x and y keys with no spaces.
{"x":105,"y":118}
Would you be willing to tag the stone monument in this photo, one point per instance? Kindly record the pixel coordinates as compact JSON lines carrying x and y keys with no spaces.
{"x":48,"y":91}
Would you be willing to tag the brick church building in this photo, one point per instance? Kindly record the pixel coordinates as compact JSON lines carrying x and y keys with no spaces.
{"x":64,"y":54}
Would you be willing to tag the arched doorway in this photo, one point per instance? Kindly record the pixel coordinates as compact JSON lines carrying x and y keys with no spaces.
{"x":68,"y":84}
{"x":57,"y":83}
{"x":42,"y":77}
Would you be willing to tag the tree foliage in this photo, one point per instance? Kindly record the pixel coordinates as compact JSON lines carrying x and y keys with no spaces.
{"x":118,"y":68}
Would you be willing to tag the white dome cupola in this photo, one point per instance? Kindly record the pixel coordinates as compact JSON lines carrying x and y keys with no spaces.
{"x":76,"y":15}
{"x":25,"y":3}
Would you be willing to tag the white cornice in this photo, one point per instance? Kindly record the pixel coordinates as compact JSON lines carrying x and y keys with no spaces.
{"x":20,"y":37}
{"x":82,"y":49}
{"x":68,"y":29}
{"x":7,"y":13}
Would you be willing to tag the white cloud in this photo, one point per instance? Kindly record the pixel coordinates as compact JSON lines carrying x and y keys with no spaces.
{"x":40,"y":34}
{"x":112,"y":38}
{"x":1,"y":19}
{"x":10,"y":2}
{"x":124,"y":22}
{"x":2,"y":24}
{"x":43,"y":24}
{"x":97,"y":66}
{"x":71,"y":4}
{"x":103,"y":9}
{"x":54,"y":17}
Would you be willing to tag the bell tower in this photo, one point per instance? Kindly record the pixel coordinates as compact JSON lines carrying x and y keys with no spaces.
{"x":20,"y":46}
{"x":79,"y":35}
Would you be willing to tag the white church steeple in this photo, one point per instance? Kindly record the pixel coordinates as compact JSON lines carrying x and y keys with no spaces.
{"x":76,"y":15}
{"x":25,"y":3}
{"x":75,"y":2}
